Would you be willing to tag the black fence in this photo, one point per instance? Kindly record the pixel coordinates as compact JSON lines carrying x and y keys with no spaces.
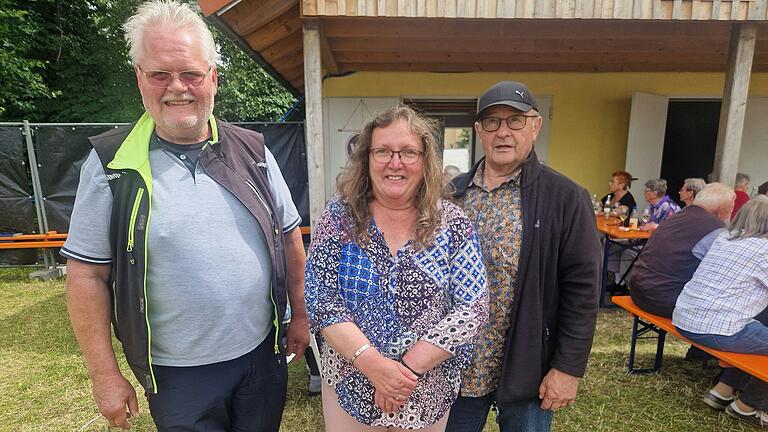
{"x":59,"y":150}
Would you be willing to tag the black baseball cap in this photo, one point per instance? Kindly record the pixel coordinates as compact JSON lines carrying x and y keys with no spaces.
{"x":510,"y":93}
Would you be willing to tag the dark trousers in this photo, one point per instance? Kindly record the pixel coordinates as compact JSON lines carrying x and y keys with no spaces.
{"x":468,"y":414}
{"x":754,"y":391}
{"x":244,"y":394}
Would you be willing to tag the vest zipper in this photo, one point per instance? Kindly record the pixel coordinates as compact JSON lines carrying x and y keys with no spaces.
{"x":277,"y":319}
{"x":264,"y":203}
{"x":114,"y":301}
{"x":132,"y":224}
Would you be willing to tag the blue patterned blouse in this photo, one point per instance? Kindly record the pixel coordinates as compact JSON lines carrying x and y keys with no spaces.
{"x":436,"y":294}
{"x":663,"y":209}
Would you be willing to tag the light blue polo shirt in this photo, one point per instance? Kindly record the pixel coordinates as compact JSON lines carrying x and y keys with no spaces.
{"x":208,"y":265}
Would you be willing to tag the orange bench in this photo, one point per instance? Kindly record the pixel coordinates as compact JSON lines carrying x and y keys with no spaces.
{"x":51,"y":239}
{"x":753,"y":364}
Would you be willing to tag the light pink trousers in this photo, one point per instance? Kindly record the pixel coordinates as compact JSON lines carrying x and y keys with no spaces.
{"x":337,"y":420}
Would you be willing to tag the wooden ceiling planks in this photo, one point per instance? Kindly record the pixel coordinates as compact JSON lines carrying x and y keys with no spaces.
{"x":359,"y":36}
{"x":543,"y":9}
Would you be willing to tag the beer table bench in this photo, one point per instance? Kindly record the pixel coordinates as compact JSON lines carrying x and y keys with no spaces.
{"x":51,"y":239}
{"x":645,"y":323}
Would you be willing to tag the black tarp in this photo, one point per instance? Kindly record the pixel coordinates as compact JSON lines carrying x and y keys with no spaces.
{"x":17,"y":206}
{"x":61,"y":151}
{"x":286,"y":142}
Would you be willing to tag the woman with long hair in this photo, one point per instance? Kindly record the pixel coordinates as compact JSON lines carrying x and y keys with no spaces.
{"x":395,"y":284}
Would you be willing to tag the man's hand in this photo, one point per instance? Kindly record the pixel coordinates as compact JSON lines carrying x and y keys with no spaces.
{"x":298,"y":336}
{"x":116,"y":400}
{"x":557,"y":390}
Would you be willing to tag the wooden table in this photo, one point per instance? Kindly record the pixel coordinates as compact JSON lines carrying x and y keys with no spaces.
{"x":623,"y":240}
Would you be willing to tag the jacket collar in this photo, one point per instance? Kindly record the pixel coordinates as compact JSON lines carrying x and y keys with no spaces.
{"x":531,"y":168}
{"x":134,"y":151}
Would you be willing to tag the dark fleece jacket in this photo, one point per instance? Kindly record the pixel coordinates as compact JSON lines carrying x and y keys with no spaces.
{"x":556,"y":291}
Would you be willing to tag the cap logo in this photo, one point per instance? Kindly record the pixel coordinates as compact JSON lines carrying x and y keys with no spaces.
{"x":522,"y":95}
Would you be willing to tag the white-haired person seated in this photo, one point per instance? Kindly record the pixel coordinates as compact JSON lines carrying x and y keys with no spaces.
{"x":691,"y":187}
{"x":724,"y":307}
{"x":659,"y":203}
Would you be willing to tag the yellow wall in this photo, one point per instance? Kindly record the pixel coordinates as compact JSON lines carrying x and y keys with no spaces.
{"x":590,"y":112}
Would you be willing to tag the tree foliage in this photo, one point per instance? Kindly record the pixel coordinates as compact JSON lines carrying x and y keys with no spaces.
{"x":246,"y":91}
{"x":21,"y":77}
{"x":68,"y":62}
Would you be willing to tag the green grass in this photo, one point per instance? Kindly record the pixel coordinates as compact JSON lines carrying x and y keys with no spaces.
{"x":44,"y":385}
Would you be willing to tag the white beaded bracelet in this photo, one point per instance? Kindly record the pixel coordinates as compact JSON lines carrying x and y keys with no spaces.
{"x":358,"y":352}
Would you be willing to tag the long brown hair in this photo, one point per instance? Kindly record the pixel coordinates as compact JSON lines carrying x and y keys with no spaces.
{"x":354,"y":183}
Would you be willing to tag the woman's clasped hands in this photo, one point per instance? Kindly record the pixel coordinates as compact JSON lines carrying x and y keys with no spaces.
{"x":393,"y":382}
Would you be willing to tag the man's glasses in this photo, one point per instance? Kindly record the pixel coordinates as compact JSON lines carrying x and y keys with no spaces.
{"x":407,"y":156}
{"x":162,"y":79}
{"x":515,"y":122}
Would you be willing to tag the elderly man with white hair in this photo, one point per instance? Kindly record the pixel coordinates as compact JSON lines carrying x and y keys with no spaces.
{"x":184,"y":236}
{"x":675,"y":250}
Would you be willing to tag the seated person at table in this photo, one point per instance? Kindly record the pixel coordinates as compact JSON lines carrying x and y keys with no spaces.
{"x":691,"y":186}
{"x":660,"y":204}
{"x":742,"y":192}
{"x":675,"y":250}
{"x":724,"y":307}
{"x":763,"y":189}
{"x":618,"y":192}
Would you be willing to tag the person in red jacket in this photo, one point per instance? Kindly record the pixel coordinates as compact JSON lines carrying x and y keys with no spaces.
{"x":742,"y":192}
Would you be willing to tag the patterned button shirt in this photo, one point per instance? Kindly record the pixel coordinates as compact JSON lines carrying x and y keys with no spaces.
{"x":498,"y":219}
{"x":436,"y":294}
{"x":728,"y":289}
{"x":663,"y":209}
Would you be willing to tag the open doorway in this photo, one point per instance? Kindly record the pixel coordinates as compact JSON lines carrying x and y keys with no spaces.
{"x":689,"y":142}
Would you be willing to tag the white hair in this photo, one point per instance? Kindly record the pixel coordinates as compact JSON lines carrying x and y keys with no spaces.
{"x":714,"y":196}
{"x":694,"y":185}
{"x":742,"y":179}
{"x":170,"y":13}
{"x":751,"y":220}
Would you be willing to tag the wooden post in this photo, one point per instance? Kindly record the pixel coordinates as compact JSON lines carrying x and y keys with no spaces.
{"x":732,"y":111}
{"x":313,"y":82}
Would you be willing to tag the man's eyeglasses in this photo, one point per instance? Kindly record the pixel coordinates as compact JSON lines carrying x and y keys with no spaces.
{"x":515,"y":122}
{"x":162,"y":79}
{"x":407,"y":156}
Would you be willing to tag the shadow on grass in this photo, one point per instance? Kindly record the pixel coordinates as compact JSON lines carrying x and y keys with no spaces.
{"x":43,"y":327}
{"x":16,"y":274}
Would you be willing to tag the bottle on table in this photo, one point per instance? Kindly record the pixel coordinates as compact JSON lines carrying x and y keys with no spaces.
{"x":596,"y":205}
{"x":607,"y":207}
{"x":633,"y":218}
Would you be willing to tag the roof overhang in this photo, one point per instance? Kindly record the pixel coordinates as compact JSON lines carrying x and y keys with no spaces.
{"x":356,"y":40}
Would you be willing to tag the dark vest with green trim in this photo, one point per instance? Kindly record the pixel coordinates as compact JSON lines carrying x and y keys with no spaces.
{"x":237,"y":162}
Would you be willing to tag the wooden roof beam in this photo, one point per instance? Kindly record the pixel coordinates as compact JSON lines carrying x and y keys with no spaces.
{"x":283,"y":25}
{"x":250,"y":15}
{"x":327,"y":55}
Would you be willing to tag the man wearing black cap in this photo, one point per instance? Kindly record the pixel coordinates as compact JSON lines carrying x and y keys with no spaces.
{"x":540,"y":244}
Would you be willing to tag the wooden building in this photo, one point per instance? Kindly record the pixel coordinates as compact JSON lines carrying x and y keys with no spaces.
{"x":610,"y":76}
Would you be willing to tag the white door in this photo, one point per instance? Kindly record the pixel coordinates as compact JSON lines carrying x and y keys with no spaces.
{"x":645,"y":143}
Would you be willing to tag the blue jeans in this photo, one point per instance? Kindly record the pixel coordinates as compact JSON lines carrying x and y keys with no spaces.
{"x":243,"y":394}
{"x":752,"y":339}
{"x":468,"y":414}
